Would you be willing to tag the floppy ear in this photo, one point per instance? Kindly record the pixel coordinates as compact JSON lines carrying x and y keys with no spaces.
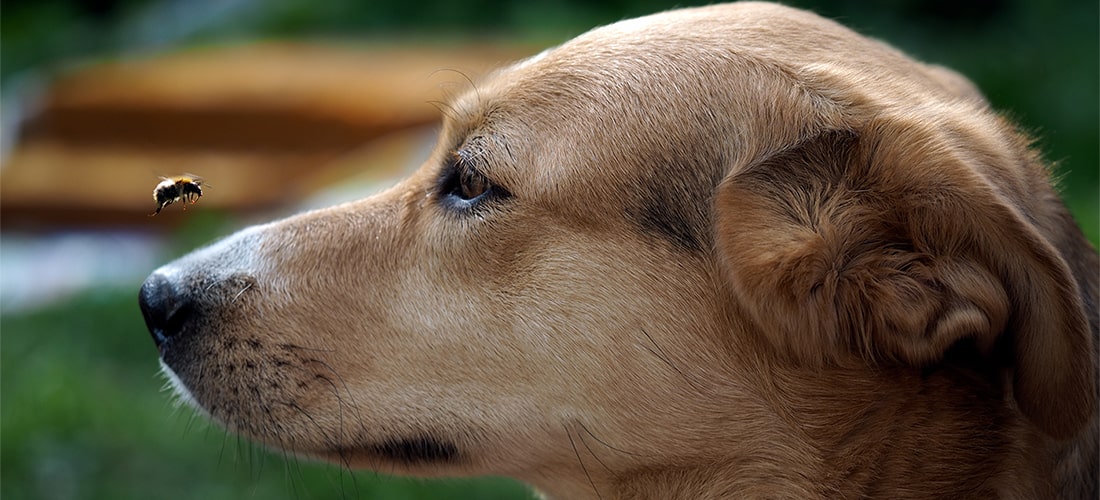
{"x":889,"y":245}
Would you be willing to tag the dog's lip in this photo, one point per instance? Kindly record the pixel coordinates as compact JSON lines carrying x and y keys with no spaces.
{"x":180,"y":387}
{"x":409,"y":451}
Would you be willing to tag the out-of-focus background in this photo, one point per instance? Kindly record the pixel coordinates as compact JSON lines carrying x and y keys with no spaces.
{"x":283,"y":105}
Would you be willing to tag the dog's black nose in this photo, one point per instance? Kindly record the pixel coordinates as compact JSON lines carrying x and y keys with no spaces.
{"x":164,"y":308}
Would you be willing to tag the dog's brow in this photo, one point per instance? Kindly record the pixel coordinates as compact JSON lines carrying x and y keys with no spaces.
{"x":491,"y":152}
{"x":469,"y":111}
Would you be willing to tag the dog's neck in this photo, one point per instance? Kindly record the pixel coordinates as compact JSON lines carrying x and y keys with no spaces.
{"x":864,"y":444}
{"x":886,"y":431}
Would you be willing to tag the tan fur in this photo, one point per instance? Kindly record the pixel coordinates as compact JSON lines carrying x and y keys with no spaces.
{"x":744,"y":252}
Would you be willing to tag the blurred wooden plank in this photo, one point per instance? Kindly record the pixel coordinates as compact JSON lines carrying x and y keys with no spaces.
{"x":258,"y":96}
{"x":59,"y":174}
{"x":264,"y":124}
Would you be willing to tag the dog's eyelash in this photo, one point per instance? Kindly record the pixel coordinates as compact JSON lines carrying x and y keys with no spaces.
{"x":463,"y":185}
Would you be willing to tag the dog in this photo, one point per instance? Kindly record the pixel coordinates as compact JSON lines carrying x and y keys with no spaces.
{"x":734,"y":251}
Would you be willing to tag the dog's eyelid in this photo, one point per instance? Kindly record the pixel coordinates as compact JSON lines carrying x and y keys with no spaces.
{"x":465,"y":166}
{"x":478,"y":161}
{"x":463,"y":183}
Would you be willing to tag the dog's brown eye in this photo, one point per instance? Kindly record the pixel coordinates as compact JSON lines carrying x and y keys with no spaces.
{"x":462,"y":186}
{"x":471,"y":184}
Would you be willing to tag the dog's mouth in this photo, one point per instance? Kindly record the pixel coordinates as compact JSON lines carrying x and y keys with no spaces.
{"x":425,"y":449}
{"x":421,"y":451}
{"x":256,"y":406}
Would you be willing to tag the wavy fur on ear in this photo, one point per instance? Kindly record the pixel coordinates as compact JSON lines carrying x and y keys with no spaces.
{"x":892,"y":245}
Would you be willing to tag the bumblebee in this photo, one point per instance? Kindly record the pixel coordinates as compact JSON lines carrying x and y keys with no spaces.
{"x":172,"y":189}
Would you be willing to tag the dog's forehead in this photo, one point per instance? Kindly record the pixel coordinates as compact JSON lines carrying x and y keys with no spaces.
{"x":636,"y":81}
{"x":561,"y":127}
{"x":650,"y":111}
{"x":639,"y":115}
{"x":586,"y":103}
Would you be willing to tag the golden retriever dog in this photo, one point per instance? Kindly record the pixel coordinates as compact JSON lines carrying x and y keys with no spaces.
{"x":736,"y":251}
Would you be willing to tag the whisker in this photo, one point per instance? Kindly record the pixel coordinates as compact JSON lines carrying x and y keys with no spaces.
{"x":334,"y":444}
{"x":245,"y":289}
{"x":288,"y":470}
{"x":291,"y":463}
{"x":221,"y":452}
{"x":620,"y":450}
{"x":270,"y":427}
{"x":237,"y":450}
{"x":345,"y":466}
{"x":190,"y":423}
{"x":470,"y":81}
{"x":254,"y":469}
{"x":295,"y":476}
{"x":336,"y":393}
{"x":354,"y":482}
{"x":344,"y":462}
{"x":590,"y":452}
{"x":473,"y":85}
{"x":663,"y":356}
{"x":581,"y":461}
{"x":444,"y":109}
{"x":344,"y":404}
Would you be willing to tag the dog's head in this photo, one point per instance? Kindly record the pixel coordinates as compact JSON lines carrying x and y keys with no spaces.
{"x":630,"y":247}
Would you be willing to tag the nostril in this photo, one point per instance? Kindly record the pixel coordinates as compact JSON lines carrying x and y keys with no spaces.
{"x":163,"y":308}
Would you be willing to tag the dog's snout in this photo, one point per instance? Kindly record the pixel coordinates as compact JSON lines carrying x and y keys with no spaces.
{"x":164,"y":308}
